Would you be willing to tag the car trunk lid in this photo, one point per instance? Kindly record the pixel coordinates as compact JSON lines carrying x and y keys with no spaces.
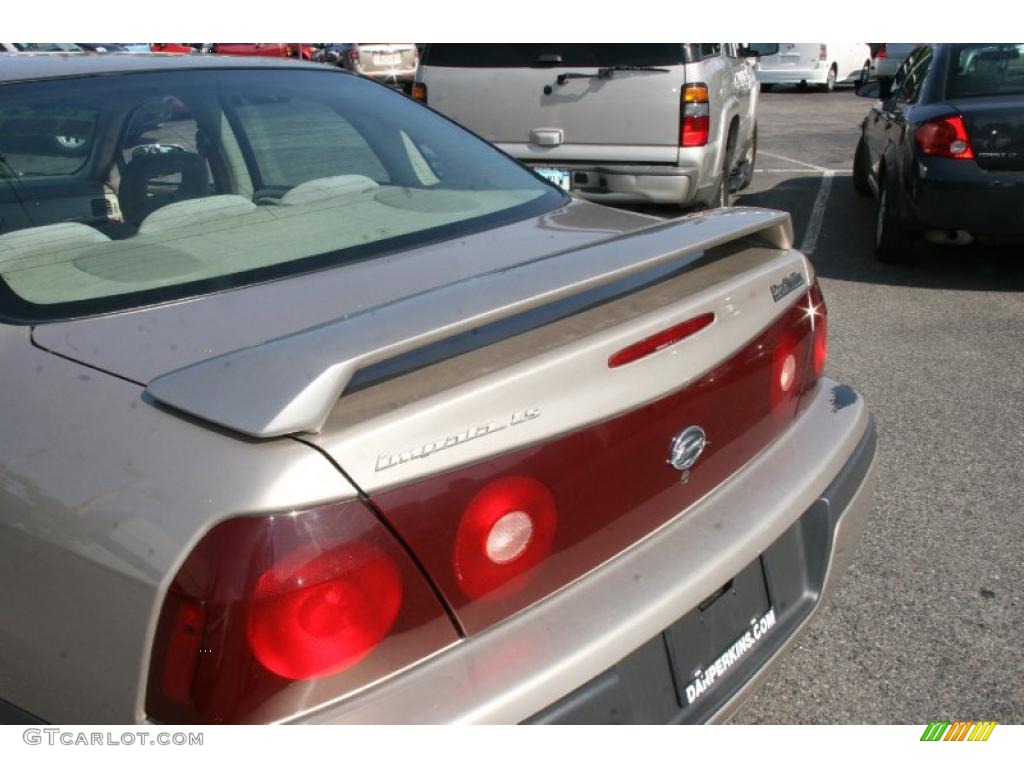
{"x":516,"y":427}
{"x":996,"y":127}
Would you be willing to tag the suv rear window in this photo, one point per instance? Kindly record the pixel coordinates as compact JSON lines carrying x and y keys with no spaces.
{"x":124,"y":190}
{"x":518,"y":55}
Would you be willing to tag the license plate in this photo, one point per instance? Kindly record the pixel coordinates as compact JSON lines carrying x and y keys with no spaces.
{"x":558,"y":176}
{"x":387,"y":58}
{"x":705,"y":679}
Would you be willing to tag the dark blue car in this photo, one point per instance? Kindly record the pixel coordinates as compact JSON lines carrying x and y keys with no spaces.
{"x":942,"y":149}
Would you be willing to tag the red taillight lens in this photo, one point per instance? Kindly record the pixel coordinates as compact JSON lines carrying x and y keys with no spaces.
{"x":816,"y":316}
{"x":820,"y":348}
{"x":880,"y":53}
{"x":786,"y":368}
{"x":695,"y":123}
{"x":696,"y":131}
{"x":822,"y":52}
{"x":505,"y":531}
{"x":271,"y":615}
{"x":317,"y":613}
{"x":182,"y":651}
{"x":945,"y":137}
{"x":660,"y":340}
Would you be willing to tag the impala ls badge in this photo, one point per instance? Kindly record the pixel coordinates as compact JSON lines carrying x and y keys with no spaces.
{"x":687,"y":447}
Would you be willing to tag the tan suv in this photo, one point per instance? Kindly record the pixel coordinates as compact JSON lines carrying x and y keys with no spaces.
{"x":618,"y":123}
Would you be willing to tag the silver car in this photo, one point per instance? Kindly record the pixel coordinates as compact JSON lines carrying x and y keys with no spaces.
{"x":317,"y":408}
{"x":392,"y":63}
{"x":667,"y":123}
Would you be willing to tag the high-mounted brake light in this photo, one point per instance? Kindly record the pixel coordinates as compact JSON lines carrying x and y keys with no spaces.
{"x":270,"y":615}
{"x":945,"y":137}
{"x":695,"y":123}
{"x":660,"y":340}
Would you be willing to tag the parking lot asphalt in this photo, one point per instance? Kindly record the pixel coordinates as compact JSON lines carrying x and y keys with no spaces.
{"x":928,"y":622}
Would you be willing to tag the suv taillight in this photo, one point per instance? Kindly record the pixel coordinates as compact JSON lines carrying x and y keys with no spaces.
{"x":419,"y":92}
{"x":822,"y":52}
{"x":271,"y":615}
{"x":695,"y":125}
{"x":945,"y":137}
{"x":880,"y":52}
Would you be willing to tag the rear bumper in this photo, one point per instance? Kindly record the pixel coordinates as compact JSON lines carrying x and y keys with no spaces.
{"x":819,"y":476}
{"x":660,"y":184}
{"x":793,"y":76}
{"x":949,"y":194}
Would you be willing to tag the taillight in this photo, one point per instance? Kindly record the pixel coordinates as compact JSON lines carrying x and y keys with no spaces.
{"x":786,"y":367}
{"x":318,"y":613}
{"x":822,"y":52}
{"x":818,"y":313}
{"x":270,"y":615}
{"x":695,"y":127}
{"x":815,"y":313}
{"x":419,"y":92}
{"x":506,"y":530}
{"x":945,"y":137}
{"x":880,"y":52}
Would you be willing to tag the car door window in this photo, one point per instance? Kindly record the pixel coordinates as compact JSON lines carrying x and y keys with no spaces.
{"x":45,"y":139}
{"x":708,"y":50}
{"x":909,"y":87}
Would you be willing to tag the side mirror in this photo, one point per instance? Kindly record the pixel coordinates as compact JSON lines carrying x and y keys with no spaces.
{"x":875,"y":89}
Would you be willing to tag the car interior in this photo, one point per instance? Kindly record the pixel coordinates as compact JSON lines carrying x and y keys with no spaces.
{"x":174,"y":185}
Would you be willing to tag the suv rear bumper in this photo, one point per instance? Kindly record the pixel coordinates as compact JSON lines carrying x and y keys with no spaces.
{"x":657,"y":184}
{"x":820,"y":476}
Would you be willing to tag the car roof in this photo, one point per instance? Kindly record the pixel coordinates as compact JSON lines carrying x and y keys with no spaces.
{"x":30,"y":66}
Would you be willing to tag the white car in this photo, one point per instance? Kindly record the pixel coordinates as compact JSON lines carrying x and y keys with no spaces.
{"x":820,"y":64}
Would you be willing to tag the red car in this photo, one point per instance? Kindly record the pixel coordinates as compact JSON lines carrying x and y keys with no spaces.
{"x":171,"y":48}
{"x":291,"y":50}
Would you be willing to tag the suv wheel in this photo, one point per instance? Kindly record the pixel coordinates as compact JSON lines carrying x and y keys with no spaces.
{"x":893,"y":242}
{"x":721,"y":198}
{"x":747,"y":168}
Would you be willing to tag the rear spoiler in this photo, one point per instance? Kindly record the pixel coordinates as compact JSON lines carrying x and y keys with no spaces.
{"x":291,"y":384}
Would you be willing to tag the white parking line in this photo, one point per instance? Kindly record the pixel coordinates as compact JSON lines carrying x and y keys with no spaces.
{"x":812,"y":166}
{"x":817,"y":214}
{"x":801,"y":170}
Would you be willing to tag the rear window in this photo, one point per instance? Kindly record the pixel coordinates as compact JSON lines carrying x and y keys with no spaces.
{"x":123,"y":190}
{"x":986,"y":70}
{"x":511,"y":55}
